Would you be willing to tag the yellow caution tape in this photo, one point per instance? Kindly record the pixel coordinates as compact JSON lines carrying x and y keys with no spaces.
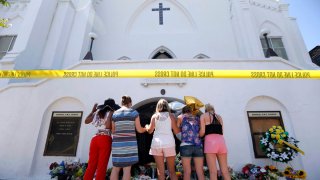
{"x":163,"y":73}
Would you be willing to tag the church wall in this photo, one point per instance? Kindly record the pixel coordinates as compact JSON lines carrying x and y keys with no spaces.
{"x":296,"y":99}
{"x":134,"y":31}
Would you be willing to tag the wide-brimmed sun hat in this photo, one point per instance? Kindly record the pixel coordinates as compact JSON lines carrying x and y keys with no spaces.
{"x":109,"y":104}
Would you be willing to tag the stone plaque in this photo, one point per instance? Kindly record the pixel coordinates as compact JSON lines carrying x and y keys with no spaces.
{"x":63,"y":134}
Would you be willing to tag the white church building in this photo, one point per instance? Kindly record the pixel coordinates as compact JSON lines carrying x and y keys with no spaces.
{"x":151,"y":34}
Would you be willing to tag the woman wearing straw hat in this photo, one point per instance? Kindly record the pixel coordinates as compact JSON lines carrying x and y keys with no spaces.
{"x":191,"y":145}
{"x":100,"y":146}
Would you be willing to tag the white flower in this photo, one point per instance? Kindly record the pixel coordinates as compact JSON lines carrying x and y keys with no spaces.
{"x":271,"y":146}
{"x":284,"y":156}
{"x":264,"y":141}
{"x":268,"y":155}
{"x":274,"y":155}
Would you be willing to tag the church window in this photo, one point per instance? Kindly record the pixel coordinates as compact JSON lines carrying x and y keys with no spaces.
{"x":260,"y":122}
{"x":276,"y":44}
{"x":6,"y":44}
{"x":162,"y":55}
{"x":201,"y":56}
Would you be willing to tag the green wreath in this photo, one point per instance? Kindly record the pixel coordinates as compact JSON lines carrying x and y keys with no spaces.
{"x":278,"y":146}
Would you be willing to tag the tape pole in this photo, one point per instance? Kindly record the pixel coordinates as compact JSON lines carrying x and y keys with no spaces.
{"x":162,"y":73}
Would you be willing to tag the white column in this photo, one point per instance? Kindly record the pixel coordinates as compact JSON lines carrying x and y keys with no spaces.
{"x":245,"y":30}
{"x":33,"y":34}
{"x":58,"y":36}
{"x":79,"y":40}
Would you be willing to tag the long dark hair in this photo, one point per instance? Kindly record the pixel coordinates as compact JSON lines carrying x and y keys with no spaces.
{"x":102,"y":112}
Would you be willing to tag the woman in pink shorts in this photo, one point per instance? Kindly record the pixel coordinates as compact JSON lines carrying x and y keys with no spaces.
{"x":214,"y":144}
{"x":163,"y":143}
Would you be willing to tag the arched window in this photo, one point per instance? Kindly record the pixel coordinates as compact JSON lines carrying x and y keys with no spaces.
{"x":124,"y":58}
{"x":162,"y":52}
{"x":272,"y":40}
{"x":201,"y":56}
{"x":162,"y":55}
{"x":276,"y":44}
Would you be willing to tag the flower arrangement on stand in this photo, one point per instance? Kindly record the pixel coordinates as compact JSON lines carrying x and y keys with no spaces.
{"x":67,"y":171}
{"x":278,"y":146}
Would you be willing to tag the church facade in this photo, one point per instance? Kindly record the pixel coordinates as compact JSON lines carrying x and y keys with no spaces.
{"x":152,"y":34}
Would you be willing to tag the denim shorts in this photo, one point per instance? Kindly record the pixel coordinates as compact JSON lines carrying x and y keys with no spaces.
{"x":191,"y":151}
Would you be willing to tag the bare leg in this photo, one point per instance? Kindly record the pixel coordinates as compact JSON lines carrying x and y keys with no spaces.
{"x":198,"y":164}
{"x":171,"y":167}
{"x":115,"y":173}
{"x":126,"y":173}
{"x":223,"y":164}
{"x":160,"y":166}
{"x":186,"y":163}
{"x":211,"y":162}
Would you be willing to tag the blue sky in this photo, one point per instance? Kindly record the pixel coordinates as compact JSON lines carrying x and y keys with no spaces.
{"x":307,"y":13}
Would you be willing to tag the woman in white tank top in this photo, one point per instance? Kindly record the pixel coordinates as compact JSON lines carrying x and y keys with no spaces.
{"x":163,"y":143}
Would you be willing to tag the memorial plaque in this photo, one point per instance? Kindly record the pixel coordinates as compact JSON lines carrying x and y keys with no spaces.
{"x":63,"y":134}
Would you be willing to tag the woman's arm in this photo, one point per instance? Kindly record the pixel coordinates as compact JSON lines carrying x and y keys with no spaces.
{"x":174,"y":126}
{"x":202,"y":125}
{"x":152,"y":125}
{"x":179,"y":121}
{"x":109,"y":119}
{"x":220,"y":120}
{"x":139,"y":128}
{"x":90,"y":117}
{"x":113,"y":127}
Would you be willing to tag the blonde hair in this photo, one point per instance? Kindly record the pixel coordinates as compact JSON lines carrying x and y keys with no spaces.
{"x":125,"y":100}
{"x":209,"y":108}
{"x":162,"y":106}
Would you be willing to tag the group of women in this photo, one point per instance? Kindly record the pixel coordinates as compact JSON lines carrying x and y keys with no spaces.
{"x":123,"y":122}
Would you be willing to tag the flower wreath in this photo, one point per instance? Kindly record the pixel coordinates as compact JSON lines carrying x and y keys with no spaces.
{"x":278,"y":146}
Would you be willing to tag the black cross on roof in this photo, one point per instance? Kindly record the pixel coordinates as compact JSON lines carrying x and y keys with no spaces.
{"x":160,"y":9}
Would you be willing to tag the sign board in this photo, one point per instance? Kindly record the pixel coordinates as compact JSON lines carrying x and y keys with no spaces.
{"x":63,"y":134}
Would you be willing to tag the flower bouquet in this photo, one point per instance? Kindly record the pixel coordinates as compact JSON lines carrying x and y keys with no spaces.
{"x":252,"y":171}
{"x":290,"y":173}
{"x":273,"y":172}
{"x":67,"y":171}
